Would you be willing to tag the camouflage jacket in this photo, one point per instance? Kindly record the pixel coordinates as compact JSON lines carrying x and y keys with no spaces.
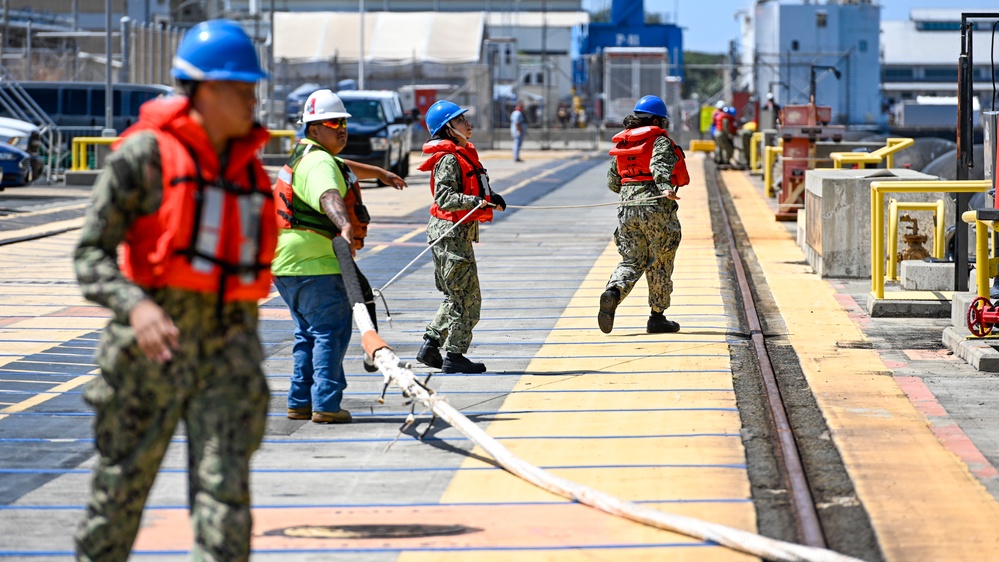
{"x":663,"y":160}
{"x":449,"y":196}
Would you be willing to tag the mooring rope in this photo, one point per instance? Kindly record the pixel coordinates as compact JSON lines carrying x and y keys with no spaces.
{"x":394,"y":370}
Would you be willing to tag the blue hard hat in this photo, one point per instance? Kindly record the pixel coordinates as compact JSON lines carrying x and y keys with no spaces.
{"x":217,"y":50}
{"x":653,"y":105}
{"x":731,"y":111}
{"x":440,"y":113}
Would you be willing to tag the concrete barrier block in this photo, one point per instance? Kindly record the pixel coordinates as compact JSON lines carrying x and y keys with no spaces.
{"x":959,"y":312}
{"x":918,"y":275}
{"x":838,"y":223}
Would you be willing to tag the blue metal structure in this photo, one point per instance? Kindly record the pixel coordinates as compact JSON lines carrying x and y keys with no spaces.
{"x":627,"y":28}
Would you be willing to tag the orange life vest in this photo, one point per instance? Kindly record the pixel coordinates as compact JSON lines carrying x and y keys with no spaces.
{"x":474,"y":180}
{"x":214,"y":230}
{"x":634,"y":156}
{"x":292,"y":212}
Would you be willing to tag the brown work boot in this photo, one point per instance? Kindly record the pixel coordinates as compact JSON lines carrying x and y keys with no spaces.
{"x":303,"y":413}
{"x":342,"y":416}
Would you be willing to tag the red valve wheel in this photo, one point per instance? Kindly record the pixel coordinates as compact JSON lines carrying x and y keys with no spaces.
{"x":976,"y":323}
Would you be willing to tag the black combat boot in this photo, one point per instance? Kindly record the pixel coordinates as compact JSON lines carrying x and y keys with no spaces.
{"x":658,"y":324}
{"x":458,"y":363}
{"x":608,"y":304}
{"x":430,"y":353}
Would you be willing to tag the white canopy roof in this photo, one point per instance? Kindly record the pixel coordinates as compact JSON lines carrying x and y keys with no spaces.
{"x":401,"y":37}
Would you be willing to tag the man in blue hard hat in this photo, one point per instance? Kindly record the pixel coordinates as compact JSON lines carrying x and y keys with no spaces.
{"x":186,"y":197}
{"x":647,"y":170}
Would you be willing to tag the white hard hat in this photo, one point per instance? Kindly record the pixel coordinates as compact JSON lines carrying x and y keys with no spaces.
{"x":323,"y":105}
{"x":720,"y":104}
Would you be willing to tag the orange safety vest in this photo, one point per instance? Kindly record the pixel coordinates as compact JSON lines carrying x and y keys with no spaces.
{"x":292,"y":212}
{"x":634,"y":156}
{"x":474,"y":180}
{"x":212,"y":231}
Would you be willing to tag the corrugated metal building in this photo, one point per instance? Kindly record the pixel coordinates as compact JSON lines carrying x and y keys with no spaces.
{"x":789,"y":40}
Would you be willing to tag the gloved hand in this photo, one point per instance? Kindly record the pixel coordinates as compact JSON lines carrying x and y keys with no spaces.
{"x":498,"y":201}
{"x":671,"y":195}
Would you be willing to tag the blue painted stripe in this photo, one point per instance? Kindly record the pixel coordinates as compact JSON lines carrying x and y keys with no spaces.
{"x":337,"y":550}
{"x":385,"y":505}
{"x":396,"y":469}
{"x":499,"y":394}
{"x":394,"y":439}
{"x":404,"y":413}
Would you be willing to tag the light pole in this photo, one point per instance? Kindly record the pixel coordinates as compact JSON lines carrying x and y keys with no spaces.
{"x":360,"y":59}
{"x":108,"y":88}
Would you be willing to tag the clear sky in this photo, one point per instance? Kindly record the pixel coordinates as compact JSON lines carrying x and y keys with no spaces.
{"x":710,"y":24}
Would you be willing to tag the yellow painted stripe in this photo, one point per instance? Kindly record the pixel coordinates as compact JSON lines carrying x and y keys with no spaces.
{"x":923,"y":502}
{"x":49,"y":395}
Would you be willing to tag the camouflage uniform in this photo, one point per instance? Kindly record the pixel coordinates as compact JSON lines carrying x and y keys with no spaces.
{"x":648,"y":234}
{"x":214,"y":383}
{"x":455,"y":272}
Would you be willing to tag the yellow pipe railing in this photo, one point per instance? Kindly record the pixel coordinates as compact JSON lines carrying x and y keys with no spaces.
{"x":78,"y":151}
{"x":284,"y":133}
{"x":81,"y":145}
{"x":861,"y":159}
{"x":938,"y":230}
{"x":755,"y":142}
{"x":878,"y":189}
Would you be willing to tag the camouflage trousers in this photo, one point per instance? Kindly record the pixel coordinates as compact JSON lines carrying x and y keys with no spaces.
{"x":647,"y":238}
{"x":457,"y":276}
{"x":216,"y":385}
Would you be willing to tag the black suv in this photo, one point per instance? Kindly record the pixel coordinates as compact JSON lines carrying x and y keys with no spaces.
{"x":378,"y":131}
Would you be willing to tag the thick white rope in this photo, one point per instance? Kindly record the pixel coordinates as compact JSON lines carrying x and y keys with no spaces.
{"x":394,"y":371}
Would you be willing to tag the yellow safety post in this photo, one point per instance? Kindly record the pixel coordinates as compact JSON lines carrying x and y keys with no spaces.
{"x":701,"y":145}
{"x":986,"y":266}
{"x":754,"y":152}
{"x":769,"y":158}
{"x":78,"y":151}
{"x":861,"y":159}
{"x":878,"y":189}
{"x":939,"y":230}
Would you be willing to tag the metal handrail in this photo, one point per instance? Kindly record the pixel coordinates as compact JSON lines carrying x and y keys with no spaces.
{"x":878,"y":189}
{"x":861,"y":159}
{"x":80,"y":147}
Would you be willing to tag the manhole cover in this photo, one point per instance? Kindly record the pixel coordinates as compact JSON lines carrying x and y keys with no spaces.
{"x":371,"y":531}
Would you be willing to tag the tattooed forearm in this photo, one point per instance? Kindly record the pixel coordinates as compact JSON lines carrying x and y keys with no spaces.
{"x":335,"y":208}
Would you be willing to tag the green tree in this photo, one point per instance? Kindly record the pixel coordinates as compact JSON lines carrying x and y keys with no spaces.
{"x":705,"y":82}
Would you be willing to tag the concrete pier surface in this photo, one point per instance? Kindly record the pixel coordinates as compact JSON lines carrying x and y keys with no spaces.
{"x":900,"y":433}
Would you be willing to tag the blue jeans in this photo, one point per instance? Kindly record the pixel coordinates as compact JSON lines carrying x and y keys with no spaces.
{"x":517,"y":141}
{"x":322,"y":318}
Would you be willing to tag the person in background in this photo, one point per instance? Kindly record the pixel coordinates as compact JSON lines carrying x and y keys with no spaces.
{"x":311,"y":194}
{"x":518,"y":129}
{"x":647,"y":166}
{"x":187,"y":199}
{"x":460,"y":187}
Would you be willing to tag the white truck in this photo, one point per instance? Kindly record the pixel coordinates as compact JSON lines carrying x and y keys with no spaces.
{"x":629,"y":74}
